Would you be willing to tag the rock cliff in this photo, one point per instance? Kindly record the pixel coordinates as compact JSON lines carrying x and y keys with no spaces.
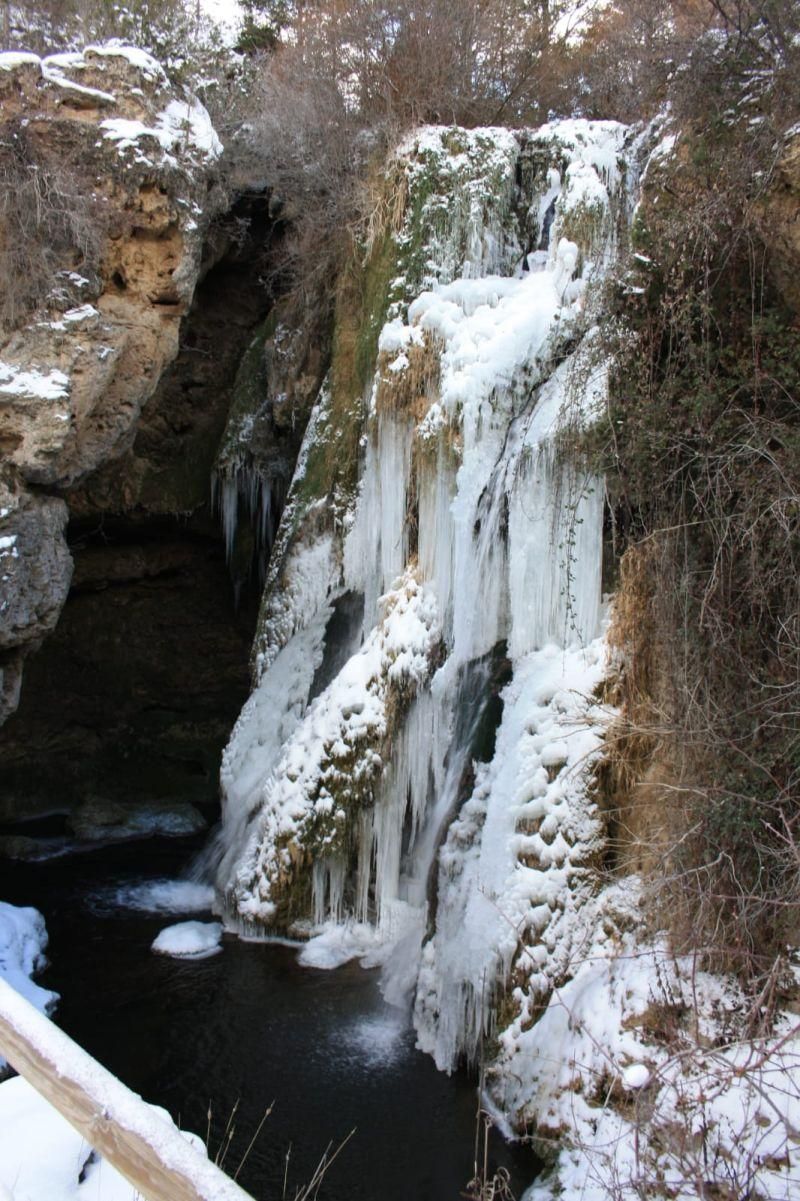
{"x":109,"y":184}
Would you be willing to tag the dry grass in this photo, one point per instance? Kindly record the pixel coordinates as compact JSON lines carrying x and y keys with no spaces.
{"x":413,"y":388}
{"x":48,"y":222}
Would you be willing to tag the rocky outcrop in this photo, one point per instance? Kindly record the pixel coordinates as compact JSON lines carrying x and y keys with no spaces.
{"x":35,"y":571}
{"x":105,"y":134}
{"x":168,"y":467}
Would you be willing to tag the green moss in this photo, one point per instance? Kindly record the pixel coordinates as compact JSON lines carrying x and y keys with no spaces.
{"x":331,"y":471}
{"x":249,"y":394}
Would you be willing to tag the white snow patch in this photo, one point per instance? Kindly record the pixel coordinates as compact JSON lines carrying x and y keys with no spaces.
{"x":183,"y":126}
{"x":33,"y":384}
{"x":10,"y":60}
{"x":636,"y":1075}
{"x":83,"y":313}
{"x":144,"y":62}
{"x":42,"y":1158}
{"x":717,"y":1103}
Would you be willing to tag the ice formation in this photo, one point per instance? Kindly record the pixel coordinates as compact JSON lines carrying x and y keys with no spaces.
{"x":424,"y":800}
{"x":23,"y":939}
{"x":412,"y":779}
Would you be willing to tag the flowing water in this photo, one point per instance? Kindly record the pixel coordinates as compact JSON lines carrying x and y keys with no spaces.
{"x":248,"y":1027}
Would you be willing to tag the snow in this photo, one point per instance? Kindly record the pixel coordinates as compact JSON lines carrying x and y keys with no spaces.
{"x":23,"y":940}
{"x":714,"y":1100}
{"x":474,"y":541}
{"x":636,"y":1075}
{"x":338,"y":943}
{"x":189,"y":940}
{"x":182,"y":126}
{"x":332,"y":756}
{"x":507,"y":549}
{"x":118,"y":1105}
{"x":83,"y":313}
{"x":138,"y":58}
{"x":32,"y":384}
{"x":515,"y":853}
{"x":10,"y":60}
{"x":42,"y":1158}
{"x":268,"y":720}
{"x":54,"y":66}
{"x":52,"y":73}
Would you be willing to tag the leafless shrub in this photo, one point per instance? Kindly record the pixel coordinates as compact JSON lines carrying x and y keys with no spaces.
{"x":705,"y":465}
{"x":48,"y":222}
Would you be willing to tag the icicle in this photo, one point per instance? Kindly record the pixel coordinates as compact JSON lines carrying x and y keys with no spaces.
{"x":366,"y":843}
{"x":328,"y":877}
{"x":555,"y":534}
{"x":376,"y":549}
{"x":243,"y":490}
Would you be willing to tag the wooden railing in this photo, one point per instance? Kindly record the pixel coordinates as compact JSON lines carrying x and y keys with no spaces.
{"x":148,"y":1151}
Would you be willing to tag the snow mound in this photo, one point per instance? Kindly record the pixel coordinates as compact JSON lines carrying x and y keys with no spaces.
{"x":189,"y":940}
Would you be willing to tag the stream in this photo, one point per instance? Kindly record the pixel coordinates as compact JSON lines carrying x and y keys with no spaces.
{"x":233,"y":1033}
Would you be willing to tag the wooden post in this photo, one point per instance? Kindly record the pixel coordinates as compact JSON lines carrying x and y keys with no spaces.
{"x":149,"y":1152}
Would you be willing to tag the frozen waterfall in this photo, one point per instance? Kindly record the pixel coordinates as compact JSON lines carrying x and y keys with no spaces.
{"x":425,"y":803}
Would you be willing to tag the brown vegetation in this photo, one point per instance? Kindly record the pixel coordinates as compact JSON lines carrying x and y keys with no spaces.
{"x":48,"y":221}
{"x":704,"y":462}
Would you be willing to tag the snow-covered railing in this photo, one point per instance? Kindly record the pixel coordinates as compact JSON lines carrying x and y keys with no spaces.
{"x":149,"y":1152}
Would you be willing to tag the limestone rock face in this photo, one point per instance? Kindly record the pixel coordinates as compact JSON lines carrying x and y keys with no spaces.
{"x":35,"y":574}
{"x":105,"y":131}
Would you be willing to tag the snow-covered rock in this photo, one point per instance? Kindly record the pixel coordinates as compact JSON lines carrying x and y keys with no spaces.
{"x":189,"y":940}
{"x":23,"y":940}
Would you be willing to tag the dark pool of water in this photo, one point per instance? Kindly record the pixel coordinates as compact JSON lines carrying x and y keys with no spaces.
{"x":249,"y":1027}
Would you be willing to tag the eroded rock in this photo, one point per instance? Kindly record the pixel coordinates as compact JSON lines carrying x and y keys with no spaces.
{"x":75,"y":375}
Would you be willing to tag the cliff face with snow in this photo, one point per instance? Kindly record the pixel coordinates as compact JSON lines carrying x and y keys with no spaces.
{"x":104,"y":130}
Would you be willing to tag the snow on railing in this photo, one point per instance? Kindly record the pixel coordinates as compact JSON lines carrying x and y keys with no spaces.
{"x":149,"y":1152}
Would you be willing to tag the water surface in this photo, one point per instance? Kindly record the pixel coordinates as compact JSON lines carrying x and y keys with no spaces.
{"x":247,"y":1028}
